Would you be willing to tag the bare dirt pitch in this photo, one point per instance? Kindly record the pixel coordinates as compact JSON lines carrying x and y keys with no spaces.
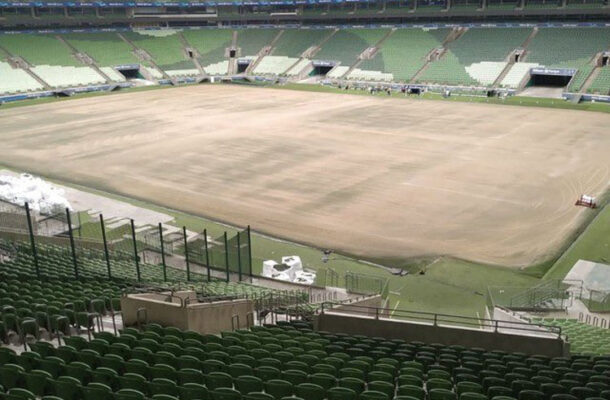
{"x":372,"y":176}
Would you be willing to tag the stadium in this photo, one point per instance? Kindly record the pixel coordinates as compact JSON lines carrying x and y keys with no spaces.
{"x":305,"y":200}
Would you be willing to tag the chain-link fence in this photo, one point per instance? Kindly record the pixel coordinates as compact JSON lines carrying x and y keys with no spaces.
{"x":85,"y":245}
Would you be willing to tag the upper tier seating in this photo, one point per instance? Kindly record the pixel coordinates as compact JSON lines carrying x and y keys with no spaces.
{"x":279,"y":362}
{"x":165,"y":48}
{"x":16,"y":80}
{"x":474,"y":47}
{"x":346,"y":45}
{"x":404,"y":52}
{"x":294,"y":42}
{"x":567,"y":47}
{"x":106,"y":48}
{"x":211,"y":45}
{"x":39,"y":49}
{"x":252,"y":41}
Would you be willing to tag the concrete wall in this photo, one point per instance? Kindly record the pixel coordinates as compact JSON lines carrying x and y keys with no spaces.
{"x":211,"y":317}
{"x":411,"y":331}
{"x":369,"y":304}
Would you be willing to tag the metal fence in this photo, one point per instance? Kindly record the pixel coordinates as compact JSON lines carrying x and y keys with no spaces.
{"x":82,"y":245}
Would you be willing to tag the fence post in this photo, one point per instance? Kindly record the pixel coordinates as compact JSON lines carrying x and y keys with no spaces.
{"x":207,"y":257}
{"x":238,"y":257}
{"x":72,"y":243}
{"x":135,"y":249}
{"x":227,"y":255}
{"x":250,"y":250}
{"x":162,"y":252}
{"x":103,"y":226}
{"x":186,"y":255}
{"x":32,"y":241}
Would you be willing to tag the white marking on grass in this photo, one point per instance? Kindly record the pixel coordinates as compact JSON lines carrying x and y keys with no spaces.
{"x":395,"y":307}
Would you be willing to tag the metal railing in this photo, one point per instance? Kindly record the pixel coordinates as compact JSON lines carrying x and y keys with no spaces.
{"x":437,"y":319}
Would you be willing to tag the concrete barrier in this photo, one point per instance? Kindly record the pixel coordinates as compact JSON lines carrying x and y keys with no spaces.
{"x":181,"y":310}
{"x":339,"y":322}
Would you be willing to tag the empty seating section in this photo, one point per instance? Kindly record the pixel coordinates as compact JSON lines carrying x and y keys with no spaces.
{"x":276,"y":65}
{"x":586,"y":3}
{"x":183,"y":72}
{"x":567,"y":47}
{"x":601,"y":84}
{"x":476,"y":46}
{"x":447,"y":71}
{"x":113,"y":74}
{"x":585,"y":339}
{"x":59,"y":77}
{"x":106,"y":48}
{"x":211,"y":44}
{"x":487,"y":44}
{"x":291,"y":361}
{"x":366,"y":75}
{"x":579,"y":79}
{"x":219,"y":68}
{"x":404,"y":52}
{"x":294,"y":42}
{"x":337,"y":72}
{"x":517,"y":74}
{"x":252,"y":41}
{"x":165,"y":48}
{"x":16,"y":80}
{"x":346,"y":45}
{"x":298,"y":67}
{"x":39,"y":49}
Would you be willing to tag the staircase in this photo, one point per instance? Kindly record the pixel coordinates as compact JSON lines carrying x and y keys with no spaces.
{"x":368,"y":53}
{"x":432,"y":56}
{"x":144,"y":56}
{"x":312,"y":51}
{"x":530,"y":37}
{"x":548,"y":295}
{"x":18,"y":62}
{"x":84,"y":58}
{"x":187,"y":46}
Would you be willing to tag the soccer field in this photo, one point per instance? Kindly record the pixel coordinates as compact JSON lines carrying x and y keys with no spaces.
{"x":380,"y":178}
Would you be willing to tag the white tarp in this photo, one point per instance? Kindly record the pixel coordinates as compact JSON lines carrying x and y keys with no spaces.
{"x":289,"y":270}
{"x":41,"y":196}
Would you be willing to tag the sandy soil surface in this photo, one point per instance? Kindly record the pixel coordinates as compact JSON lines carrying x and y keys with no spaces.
{"x":372,"y":176}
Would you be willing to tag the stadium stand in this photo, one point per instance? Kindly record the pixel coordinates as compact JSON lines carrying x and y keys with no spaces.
{"x":275,"y":65}
{"x":585,"y":339}
{"x":284,"y":361}
{"x":568,"y":48}
{"x":106,"y":48}
{"x":39,"y":49}
{"x":61,"y":77}
{"x":211,"y":45}
{"x":516,"y":74}
{"x":13,"y":80}
{"x":365,"y":75}
{"x":298,"y":67}
{"x":252,"y":41}
{"x":113,"y":74}
{"x":404,"y":52}
{"x":219,"y":68}
{"x":346,"y":45}
{"x":294,"y":42}
{"x":337,"y":72}
{"x":601,"y":84}
{"x":477,"y":57}
{"x":165,"y":48}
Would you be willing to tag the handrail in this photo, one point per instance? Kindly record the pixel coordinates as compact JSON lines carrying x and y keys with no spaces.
{"x":437,"y":319}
